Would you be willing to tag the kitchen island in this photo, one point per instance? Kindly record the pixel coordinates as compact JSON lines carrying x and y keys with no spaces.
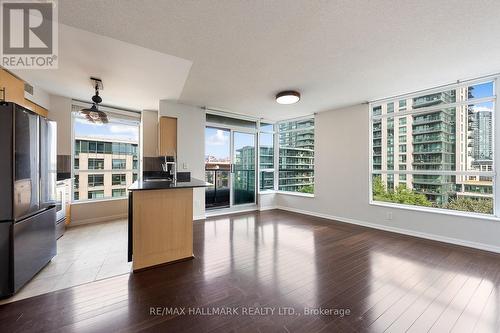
{"x":160,"y":222}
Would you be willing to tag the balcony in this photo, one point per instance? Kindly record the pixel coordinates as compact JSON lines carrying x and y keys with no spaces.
{"x":429,"y":119}
{"x":217,"y":195}
{"x":433,"y":99}
{"x":431,"y":129}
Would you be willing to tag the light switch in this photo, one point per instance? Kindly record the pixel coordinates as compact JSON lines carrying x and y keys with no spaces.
{"x":184,"y":166}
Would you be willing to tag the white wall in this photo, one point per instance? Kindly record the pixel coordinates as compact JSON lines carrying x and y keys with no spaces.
{"x":60,"y":111}
{"x":341,"y":187}
{"x":190,"y":145}
{"x":40,"y":97}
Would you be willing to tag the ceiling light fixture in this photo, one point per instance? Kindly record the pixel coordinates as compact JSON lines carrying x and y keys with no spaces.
{"x":93,"y":114}
{"x":288,"y":97}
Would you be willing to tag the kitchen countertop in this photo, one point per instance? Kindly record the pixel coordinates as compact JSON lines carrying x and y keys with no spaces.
{"x":141,"y":185}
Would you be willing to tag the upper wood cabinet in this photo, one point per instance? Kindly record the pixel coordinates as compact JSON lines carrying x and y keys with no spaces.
{"x":14,"y":87}
{"x":36,"y":108}
{"x":167,"y":136}
{"x":14,"y":92}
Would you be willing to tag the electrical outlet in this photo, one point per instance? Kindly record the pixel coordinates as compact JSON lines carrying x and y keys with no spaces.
{"x":388,"y":216}
{"x":184,"y":166}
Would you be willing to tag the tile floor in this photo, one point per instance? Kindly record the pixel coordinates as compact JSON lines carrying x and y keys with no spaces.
{"x":85,"y":253}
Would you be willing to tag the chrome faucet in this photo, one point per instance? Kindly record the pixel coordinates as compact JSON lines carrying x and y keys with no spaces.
{"x":173,"y":170}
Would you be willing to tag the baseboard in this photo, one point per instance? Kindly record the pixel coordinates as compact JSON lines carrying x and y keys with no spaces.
{"x":455,"y":241}
{"x":267,"y":208}
{"x":98,"y":219}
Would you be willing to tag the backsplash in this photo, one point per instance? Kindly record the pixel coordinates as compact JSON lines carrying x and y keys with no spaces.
{"x":152,"y":163}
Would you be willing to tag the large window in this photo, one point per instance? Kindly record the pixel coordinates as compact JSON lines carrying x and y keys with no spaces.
{"x":119,"y":192}
{"x":266,"y":157}
{"x":296,"y":156}
{"x":102,"y":149}
{"x":119,"y":179}
{"x":95,"y":163}
{"x":436,"y":149}
{"x":119,"y":163}
{"x":95,"y":180}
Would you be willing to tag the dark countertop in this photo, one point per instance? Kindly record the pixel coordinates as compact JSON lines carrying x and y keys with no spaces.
{"x":141,"y":185}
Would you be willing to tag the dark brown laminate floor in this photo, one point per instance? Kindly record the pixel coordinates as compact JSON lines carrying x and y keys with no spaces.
{"x":284,"y":260}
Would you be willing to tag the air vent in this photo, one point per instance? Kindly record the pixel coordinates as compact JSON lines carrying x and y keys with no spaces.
{"x":28,"y":88}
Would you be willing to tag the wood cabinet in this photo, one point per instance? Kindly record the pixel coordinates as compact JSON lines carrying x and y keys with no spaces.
{"x":35,"y":108}
{"x":14,"y":87}
{"x":14,"y":92}
{"x":162,"y":226}
{"x":167,"y":136}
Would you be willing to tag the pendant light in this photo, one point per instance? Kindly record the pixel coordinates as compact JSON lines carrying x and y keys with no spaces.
{"x":93,"y":114}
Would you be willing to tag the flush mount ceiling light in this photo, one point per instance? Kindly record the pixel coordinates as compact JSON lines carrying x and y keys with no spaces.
{"x":93,"y":114}
{"x":288,"y":97}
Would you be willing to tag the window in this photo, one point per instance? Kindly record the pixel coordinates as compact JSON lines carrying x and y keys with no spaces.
{"x":118,"y":192}
{"x":402,"y":105}
{"x":96,"y":164}
{"x":390,"y":107}
{"x":104,"y":155}
{"x":134,"y":177}
{"x":96,"y":194}
{"x":119,"y":179}
{"x":95,"y":180}
{"x":266,"y":157}
{"x":119,"y":164}
{"x":296,"y":156}
{"x":448,"y":149}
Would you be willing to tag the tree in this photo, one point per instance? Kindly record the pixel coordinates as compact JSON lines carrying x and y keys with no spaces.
{"x":307,"y":189}
{"x":402,"y":194}
{"x":484,"y":206}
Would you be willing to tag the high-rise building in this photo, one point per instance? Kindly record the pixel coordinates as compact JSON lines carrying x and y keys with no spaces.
{"x":103,"y":168}
{"x":447,"y":138}
{"x":296,"y":156}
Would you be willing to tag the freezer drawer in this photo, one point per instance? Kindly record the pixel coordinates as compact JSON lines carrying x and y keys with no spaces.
{"x":34,"y":245}
{"x":5,"y":262}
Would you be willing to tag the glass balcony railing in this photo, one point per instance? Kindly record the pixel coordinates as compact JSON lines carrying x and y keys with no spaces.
{"x":217,"y":195}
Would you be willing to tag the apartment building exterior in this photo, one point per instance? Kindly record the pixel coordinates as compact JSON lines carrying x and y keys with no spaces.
{"x":296,"y":156}
{"x":103,"y":168}
{"x":447,"y":138}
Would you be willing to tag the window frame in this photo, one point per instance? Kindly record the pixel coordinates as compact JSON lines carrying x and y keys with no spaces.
{"x":272,"y":132}
{"x":406,"y":112}
{"x":135,"y":116}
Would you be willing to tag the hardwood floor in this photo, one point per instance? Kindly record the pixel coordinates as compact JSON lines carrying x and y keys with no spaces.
{"x":287,"y":262}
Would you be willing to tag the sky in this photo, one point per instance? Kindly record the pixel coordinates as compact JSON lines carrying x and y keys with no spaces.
{"x":483,"y":90}
{"x":217,"y":142}
{"x":114,"y":130}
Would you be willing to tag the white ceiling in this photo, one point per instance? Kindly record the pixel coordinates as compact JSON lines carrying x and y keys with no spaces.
{"x":335,"y":53}
{"x":134,"y":77}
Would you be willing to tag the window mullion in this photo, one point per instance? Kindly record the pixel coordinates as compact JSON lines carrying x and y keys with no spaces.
{"x":496,"y":151}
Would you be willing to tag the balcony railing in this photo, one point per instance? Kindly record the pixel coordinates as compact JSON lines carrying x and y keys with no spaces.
{"x":217,"y":195}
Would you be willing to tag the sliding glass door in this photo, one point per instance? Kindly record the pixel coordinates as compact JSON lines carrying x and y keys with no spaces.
{"x":230,"y":166}
{"x":243,"y":170}
{"x":217,"y":167}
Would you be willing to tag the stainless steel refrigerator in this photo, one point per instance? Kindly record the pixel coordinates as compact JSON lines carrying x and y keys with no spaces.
{"x":27,"y":195}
